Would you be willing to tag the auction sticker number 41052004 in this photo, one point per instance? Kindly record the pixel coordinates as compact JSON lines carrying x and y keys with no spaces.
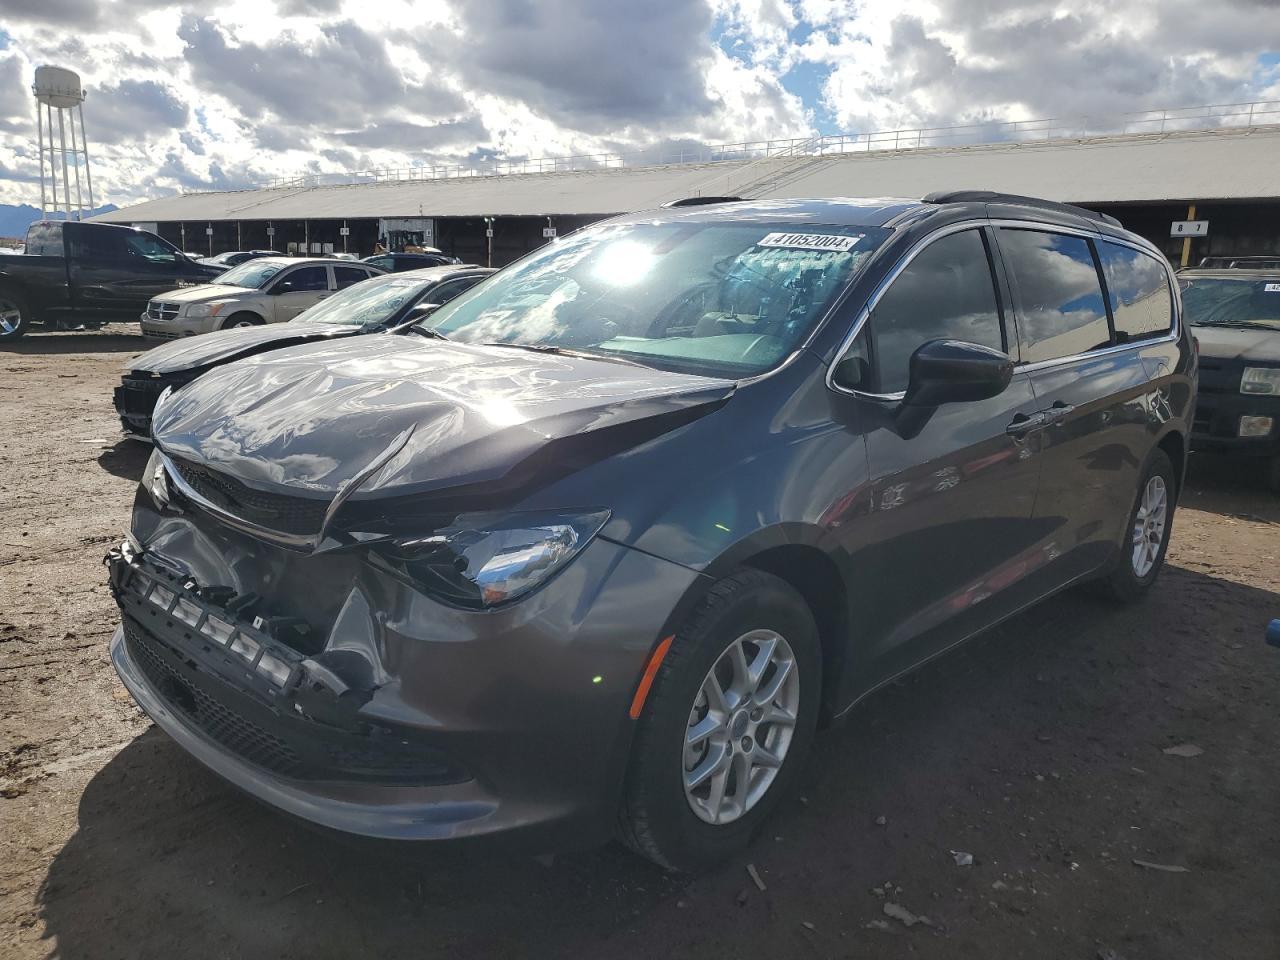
{"x":809,"y":241}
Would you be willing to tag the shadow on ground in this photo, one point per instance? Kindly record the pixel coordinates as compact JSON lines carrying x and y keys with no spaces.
{"x":1037,"y":748}
{"x":127,"y":459}
{"x":1231,"y":486}
{"x":115,"y":338}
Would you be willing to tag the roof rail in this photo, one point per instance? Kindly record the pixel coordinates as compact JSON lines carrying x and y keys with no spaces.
{"x":699,"y":201}
{"x":1241,"y":263}
{"x":992,"y":196}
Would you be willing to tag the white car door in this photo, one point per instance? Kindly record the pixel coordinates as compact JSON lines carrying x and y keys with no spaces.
{"x":297,"y":289}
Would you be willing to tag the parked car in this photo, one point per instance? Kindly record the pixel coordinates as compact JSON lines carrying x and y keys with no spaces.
{"x":233,"y":258}
{"x":87,"y":274}
{"x":266,"y":290}
{"x":396,"y":262}
{"x":1235,"y":315}
{"x":384,"y":302}
{"x":601,"y":548}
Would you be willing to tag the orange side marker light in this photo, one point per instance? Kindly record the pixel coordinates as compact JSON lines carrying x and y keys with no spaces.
{"x":650,"y":671}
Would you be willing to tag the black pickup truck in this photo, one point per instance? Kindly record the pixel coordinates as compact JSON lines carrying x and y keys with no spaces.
{"x":88,"y":273}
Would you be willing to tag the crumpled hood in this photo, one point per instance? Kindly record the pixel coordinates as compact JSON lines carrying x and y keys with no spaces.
{"x":201,"y":292}
{"x":1228,"y":343}
{"x":221,"y":346}
{"x":316,"y":416}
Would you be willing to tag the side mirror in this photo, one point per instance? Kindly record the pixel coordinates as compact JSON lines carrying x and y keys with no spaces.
{"x":284,"y":286}
{"x":949,"y":371}
{"x":953,"y":371}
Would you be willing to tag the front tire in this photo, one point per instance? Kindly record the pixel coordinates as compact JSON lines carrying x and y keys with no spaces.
{"x":242,"y":319}
{"x":727,"y":725}
{"x":15,"y":316}
{"x":1146,"y":539}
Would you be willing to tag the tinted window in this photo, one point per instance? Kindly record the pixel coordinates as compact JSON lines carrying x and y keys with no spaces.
{"x":307,"y":278}
{"x":946,"y":292}
{"x":146,"y":247}
{"x":44,"y":240}
{"x":382,"y":263}
{"x":91,"y":244}
{"x":1061,"y":312}
{"x":346,"y":276}
{"x":1138,"y":288}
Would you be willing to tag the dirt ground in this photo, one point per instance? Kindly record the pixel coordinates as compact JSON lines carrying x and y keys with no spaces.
{"x":1038,"y":749}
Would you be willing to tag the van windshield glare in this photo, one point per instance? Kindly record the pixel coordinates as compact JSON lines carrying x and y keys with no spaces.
{"x":714,"y":299}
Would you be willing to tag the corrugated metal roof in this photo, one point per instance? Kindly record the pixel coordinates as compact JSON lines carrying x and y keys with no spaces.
{"x":1204,"y":165}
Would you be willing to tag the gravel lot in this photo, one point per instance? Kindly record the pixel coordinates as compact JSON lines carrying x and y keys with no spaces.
{"x":1039,"y":749}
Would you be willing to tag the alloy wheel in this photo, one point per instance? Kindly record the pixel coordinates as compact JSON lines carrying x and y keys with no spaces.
{"x":1149,"y":525}
{"x":10,"y":317}
{"x":741,"y":726}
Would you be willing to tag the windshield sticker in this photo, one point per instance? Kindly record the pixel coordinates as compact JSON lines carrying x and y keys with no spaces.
{"x":809,"y":241}
{"x":1272,"y":288}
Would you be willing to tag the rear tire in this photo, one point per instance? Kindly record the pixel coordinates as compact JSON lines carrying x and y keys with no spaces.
{"x":1146,"y":537}
{"x":243,"y":319}
{"x":756,"y":739}
{"x":15,"y":316}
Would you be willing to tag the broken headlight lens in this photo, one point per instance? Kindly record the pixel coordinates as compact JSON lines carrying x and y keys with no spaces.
{"x":156,"y":480}
{"x":483,"y":560}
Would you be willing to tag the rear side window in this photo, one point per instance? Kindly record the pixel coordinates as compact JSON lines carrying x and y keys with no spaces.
{"x":103,"y":244}
{"x":1061,"y":312}
{"x":382,"y":263}
{"x":346,"y":276}
{"x":1138,"y":288}
{"x":946,"y":292}
{"x":44,"y":240}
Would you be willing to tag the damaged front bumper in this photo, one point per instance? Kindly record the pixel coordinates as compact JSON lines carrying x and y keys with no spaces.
{"x":340,"y":694}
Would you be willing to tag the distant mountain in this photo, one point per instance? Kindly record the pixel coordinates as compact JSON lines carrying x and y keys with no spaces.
{"x":15,"y":218}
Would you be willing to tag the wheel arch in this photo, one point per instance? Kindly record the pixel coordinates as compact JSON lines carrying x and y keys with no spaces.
{"x":799,"y":555}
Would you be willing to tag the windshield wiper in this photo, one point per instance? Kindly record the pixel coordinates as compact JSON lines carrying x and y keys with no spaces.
{"x":424,"y":332}
{"x":563,"y":352}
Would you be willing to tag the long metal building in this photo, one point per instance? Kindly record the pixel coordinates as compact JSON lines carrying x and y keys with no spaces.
{"x":1229,"y":177}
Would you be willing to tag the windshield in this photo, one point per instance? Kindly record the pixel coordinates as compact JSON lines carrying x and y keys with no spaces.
{"x":1211,"y":300}
{"x":370,"y":302}
{"x":252,"y":274}
{"x":710,"y":298}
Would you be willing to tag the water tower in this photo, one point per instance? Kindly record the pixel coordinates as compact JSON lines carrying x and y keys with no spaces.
{"x":58,"y":90}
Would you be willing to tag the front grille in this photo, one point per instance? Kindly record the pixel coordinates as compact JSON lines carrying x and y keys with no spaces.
{"x":272,"y":511}
{"x":159,"y":310}
{"x":162,"y":334}
{"x":228,"y":727}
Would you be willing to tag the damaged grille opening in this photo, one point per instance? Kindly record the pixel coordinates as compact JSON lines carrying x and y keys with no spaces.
{"x":290,"y":747}
{"x":241,"y":688}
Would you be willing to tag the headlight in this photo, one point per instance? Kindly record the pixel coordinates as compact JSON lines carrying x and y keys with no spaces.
{"x":156,"y":480}
{"x":1260,"y":380}
{"x":198,"y":310}
{"x":483,"y":560}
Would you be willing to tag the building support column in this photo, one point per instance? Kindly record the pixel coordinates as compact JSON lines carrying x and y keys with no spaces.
{"x":1186,"y":241}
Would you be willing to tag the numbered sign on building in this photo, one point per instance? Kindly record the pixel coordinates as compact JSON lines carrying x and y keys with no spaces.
{"x":1189,"y":228}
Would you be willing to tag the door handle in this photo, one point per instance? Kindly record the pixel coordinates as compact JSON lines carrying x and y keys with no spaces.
{"x":1023,"y":424}
{"x":1058,"y":412}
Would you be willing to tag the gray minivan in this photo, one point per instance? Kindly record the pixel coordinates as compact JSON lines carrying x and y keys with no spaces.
{"x":598,"y":549}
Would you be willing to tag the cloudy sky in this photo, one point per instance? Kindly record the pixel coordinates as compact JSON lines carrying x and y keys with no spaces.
{"x":215,"y":95}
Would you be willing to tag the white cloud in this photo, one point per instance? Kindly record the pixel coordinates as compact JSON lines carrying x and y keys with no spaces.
{"x":229,"y":93}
